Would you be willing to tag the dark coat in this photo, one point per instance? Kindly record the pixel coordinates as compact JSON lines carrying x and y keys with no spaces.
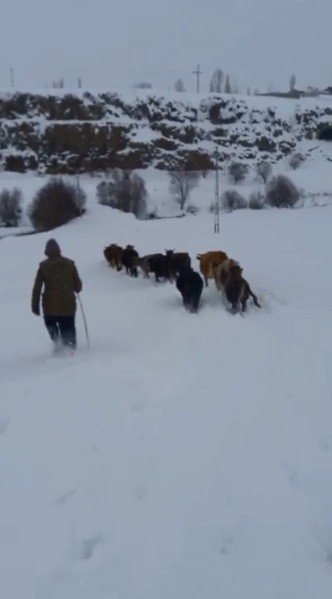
{"x":60,"y":279}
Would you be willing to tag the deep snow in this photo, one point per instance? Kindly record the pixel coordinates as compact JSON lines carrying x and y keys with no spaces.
{"x":184,"y":456}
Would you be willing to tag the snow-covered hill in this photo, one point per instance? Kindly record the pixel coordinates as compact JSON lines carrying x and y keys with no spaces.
{"x":184,"y":455}
{"x":85,"y":131}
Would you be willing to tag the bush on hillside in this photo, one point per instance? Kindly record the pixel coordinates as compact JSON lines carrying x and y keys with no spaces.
{"x":295,"y":160}
{"x":237,"y":172}
{"x":257,"y":201}
{"x":10,"y":207}
{"x":264,"y":170}
{"x":55,"y":204}
{"x":125,"y":191}
{"x":232,"y":200}
{"x":281,"y":192}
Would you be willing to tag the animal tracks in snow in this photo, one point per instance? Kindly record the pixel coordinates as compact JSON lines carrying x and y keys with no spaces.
{"x":64,"y":498}
{"x":89,"y":545}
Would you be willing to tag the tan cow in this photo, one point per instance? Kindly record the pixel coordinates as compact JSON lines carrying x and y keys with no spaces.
{"x":209,"y":262}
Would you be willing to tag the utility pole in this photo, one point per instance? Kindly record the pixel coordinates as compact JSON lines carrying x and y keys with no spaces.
{"x":197,"y":73}
{"x":216,"y":228}
{"x":11,"y":74}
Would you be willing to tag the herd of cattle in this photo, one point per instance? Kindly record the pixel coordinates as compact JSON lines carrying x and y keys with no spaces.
{"x":176,"y":266}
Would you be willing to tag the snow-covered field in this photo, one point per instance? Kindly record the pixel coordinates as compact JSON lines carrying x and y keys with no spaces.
{"x":184,"y":456}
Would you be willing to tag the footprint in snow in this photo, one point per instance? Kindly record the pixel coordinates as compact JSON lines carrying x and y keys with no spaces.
{"x":137,"y":407}
{"x":326,"y":444}
{"x":140,"y":492}
{"x":3,"y":425}
{"x":64,"y":498}
{"x":89,"y":545}
{"x":226,"y":545}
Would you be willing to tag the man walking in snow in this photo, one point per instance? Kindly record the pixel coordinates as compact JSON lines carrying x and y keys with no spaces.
{"x":60,"y":279}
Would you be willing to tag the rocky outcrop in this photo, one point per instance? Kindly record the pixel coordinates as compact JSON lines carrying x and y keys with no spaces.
{"x":94,"y":132}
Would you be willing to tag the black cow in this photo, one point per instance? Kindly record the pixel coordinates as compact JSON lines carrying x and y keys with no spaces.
{"x":190,"y":285}
{"x":158,"y":265}
{"x":129,"y":257}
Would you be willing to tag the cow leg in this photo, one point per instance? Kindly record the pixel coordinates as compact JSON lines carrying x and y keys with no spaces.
{"x":206,"y":280}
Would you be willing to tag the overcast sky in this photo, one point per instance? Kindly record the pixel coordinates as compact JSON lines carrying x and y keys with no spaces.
{"x":111,"y":43}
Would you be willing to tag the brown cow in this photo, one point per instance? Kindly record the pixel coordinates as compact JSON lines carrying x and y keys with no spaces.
{"x":233,"y":286}
{"x":209,"y":262}
{"x":113,"y":254}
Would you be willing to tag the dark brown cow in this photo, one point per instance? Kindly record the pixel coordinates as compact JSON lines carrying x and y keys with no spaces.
{"x":155,"y":263}
{"x":113,"y":255}
{"x":176,"y":262}
{"x":234,"y":287}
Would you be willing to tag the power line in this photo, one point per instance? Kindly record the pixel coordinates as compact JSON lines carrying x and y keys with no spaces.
{"x":197,"y":73}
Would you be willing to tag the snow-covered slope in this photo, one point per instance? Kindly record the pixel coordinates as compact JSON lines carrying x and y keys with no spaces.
{"x":184,"y":455}
{"x":85,"y":131}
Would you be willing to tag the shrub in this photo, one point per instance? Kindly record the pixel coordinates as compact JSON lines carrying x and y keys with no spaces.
{"x":10,"y":207}
{"x":181,"y":183}
{"x":55,"y":204}
{"x":264,"y":170}
{"x":281,"y":192}
{"x":295,"y":160}
{"x":192,"y":209}
{"x":256,"y":200}
{"x":232,"y":200}
{"x":237,"y":172}
{"x":125,"y":191}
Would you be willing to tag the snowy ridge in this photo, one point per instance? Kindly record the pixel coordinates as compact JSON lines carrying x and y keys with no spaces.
{"x":83,"y":132}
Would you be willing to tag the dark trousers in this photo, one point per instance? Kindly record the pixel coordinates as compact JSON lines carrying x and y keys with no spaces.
{"x":62,"y":328}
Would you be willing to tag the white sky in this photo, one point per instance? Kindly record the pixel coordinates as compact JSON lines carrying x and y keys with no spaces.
{"x":111,"y":43}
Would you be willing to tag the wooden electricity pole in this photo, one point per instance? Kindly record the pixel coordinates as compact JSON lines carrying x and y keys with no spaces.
{"x":11,"y":75}
{"x":197,"y":73}
{"x":216,"y":228}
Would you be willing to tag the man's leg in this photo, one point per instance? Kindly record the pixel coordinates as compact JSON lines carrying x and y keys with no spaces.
{"x":68,"y":330}
{"x":51,"y":324}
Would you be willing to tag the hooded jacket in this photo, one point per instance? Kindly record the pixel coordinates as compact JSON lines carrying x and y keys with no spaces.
{"x":59,"y":279}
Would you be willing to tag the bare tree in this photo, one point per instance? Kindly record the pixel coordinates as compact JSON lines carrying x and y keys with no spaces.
{"x":10,"y":207}
{"x":295,"y":160}
{"x":257,"y":201}
{"x":232,"y":200}
{"x":217,"y":81}
{"x":264,"y":170}
{"x":181,"y":183}
{"x":179,"y":86}
{"x":237,"y":171}
{"x":292,"y":83}
{"x":125,"y":191}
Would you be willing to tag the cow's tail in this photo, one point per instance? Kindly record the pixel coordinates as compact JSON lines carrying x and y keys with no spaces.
{"x":254,"y":298}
